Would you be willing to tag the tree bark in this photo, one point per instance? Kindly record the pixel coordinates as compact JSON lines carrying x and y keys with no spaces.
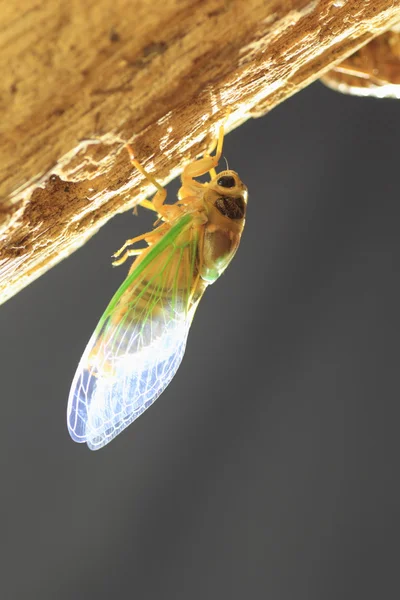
{"x":81,"y":78}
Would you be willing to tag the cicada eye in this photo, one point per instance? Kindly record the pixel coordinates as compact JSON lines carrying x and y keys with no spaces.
{"x":226,"y":181}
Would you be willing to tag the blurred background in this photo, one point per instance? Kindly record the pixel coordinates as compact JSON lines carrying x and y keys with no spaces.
{"x":269,"y":468}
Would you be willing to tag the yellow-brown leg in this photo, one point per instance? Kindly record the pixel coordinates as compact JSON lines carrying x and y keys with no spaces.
{"x":208,"y":154}
{"x":130,"y":243}
{"x":205,"y":164}
{"x":157,"y":203}
{"x":213,"y":173}
{"x":190,"y":186}
{"x":147,"y":204}
{"x":126,"y":255}
{"x":149,"y":237}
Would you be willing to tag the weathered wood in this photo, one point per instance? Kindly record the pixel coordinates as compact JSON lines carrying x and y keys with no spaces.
{"x":374,"y":70}
{"x":80,"y":78}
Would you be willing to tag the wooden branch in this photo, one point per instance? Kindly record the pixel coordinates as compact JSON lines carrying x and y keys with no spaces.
{"x":80,"y":78}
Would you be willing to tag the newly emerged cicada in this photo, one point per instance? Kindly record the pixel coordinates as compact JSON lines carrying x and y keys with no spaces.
{"x":140,"y":340}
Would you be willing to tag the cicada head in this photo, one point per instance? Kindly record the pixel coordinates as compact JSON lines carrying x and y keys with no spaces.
{"x":227,"y":194}
{"x":225,"y":201}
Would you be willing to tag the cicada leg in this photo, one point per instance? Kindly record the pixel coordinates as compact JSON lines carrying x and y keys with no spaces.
{"x":211,"y":148}
{"x":126,"y":255}
{"x":199,"y":167}
{"x":166,"y":212}
{"x":150,"y":238}
{"x":205,"y":164}
{"x":147,"y":204}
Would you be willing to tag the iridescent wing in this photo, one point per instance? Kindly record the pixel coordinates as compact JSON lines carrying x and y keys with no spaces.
{"x":139,"y":342}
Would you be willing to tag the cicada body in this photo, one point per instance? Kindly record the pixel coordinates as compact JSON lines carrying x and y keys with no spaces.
{"x":140,"y":340}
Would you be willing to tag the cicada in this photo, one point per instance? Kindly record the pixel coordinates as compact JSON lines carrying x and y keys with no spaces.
{"x":140,"y":340}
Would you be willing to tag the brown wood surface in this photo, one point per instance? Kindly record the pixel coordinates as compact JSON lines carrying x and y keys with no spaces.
{"x":79,"y":78}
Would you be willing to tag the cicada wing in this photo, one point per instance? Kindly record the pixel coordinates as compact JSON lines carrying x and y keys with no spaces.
{"x":105,"y":398}
{"x":137,"y":347}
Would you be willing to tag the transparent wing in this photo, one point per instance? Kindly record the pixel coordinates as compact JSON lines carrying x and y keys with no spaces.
{"x":138,"y":344}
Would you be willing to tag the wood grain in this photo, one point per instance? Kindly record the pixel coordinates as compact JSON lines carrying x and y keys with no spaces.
{"x":80,"y":78}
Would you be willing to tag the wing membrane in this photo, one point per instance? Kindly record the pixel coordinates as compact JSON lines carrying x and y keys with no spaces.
{"x":139,"y":342}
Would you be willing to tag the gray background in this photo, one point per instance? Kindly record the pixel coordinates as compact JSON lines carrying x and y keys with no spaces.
{"x":269,"y":467}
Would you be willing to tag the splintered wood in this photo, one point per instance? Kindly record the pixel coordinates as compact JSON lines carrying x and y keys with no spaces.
{"x":81,"y":78}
